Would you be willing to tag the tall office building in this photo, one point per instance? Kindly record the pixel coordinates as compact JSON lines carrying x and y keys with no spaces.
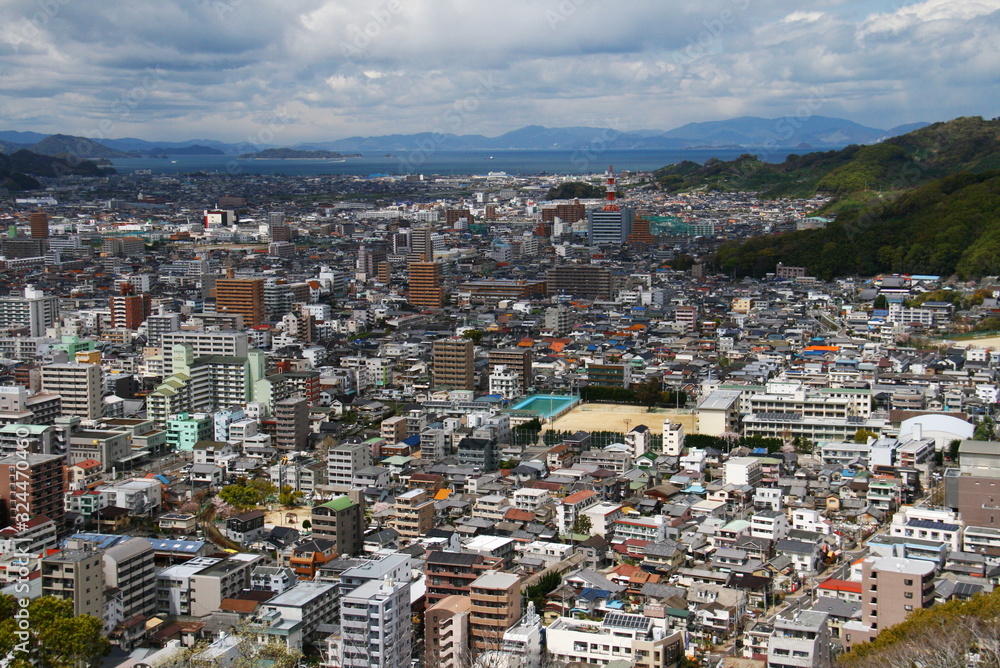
{"x":292,"y":418}
{"x":375,"y":625}
{"x":129,"y":310}
{"x":78,"y":576}
{"x":80,"y":386}
{"x":35,"y":311}
{"x":425,"y":285}
{"x":453,"y":364}
{"x":609,"y":228}
{"x":421,"y":244}
{"x":496,"y":606}
{"x":40,"y":486}
{"x":517,"y":360}
{"x":243,"y":296}
{"x":612,"y":224}
{"x":39,"y":222}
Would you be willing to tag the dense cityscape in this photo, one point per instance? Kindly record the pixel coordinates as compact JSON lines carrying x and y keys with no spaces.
{"x":451,"y":421}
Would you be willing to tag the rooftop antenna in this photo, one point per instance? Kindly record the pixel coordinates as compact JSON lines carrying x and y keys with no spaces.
{"x":610,"y":191}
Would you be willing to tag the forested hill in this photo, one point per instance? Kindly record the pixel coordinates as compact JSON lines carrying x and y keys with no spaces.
{"x":17,"y":170}
{"x":909,"y":160}
{"x":948,"y":226}
{"x":925,"y":202}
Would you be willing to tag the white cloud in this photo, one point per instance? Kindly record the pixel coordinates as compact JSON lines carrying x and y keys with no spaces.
{"x":347,"y":67}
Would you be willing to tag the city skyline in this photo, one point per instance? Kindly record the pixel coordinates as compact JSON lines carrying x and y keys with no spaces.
{"x":313,"y":70}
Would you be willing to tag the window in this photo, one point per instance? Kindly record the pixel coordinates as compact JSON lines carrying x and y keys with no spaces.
{"x":908,"y":594}
{"x":908,"y":583}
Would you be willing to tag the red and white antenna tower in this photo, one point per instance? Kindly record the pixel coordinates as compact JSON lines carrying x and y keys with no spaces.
{"x":610,"y":189}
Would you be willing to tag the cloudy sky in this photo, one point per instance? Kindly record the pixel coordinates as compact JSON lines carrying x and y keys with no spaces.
{"x":300,"y":70}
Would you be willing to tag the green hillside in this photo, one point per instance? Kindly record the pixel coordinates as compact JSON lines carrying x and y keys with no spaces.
{"x":948,"y":226}
{"x":900,"y":162}
{"x":19,"y":169}
{"x":925,"y":202}
{"x":956,"y":633}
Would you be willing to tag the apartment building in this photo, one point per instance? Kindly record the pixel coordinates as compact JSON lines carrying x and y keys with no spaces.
{"x":78,"y":576}
{"x":343,"y":463}
{"x":414,"y":513}
{"x":452,"y":573}
{"x":802,"y":641}
{"x":446,"y":631}
{"x":628,"y":638}
{"x":340,"y":520}
{"x":376,"y":629}
{"x":496,"y":606}
{"x":80,"y":386}
{"x":891,"y":588}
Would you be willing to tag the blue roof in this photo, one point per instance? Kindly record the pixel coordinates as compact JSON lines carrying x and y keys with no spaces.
{"x":162,"y":478}
{"x":591,"y":593}
{"x":103,"y":540}
{"x":411,"y":440}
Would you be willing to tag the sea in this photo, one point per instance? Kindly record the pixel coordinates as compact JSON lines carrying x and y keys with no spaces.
{"x":445,"y":163}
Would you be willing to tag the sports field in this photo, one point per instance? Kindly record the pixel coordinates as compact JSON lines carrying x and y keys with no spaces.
{"x":620,"y":417}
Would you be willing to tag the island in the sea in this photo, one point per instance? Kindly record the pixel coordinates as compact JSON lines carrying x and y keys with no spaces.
{"x":295,"y":154}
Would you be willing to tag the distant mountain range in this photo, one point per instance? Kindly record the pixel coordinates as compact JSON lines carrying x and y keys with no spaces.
{"x":747,"y":132}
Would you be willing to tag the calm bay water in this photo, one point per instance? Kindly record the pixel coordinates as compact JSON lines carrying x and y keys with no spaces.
{"x":583,"y":161}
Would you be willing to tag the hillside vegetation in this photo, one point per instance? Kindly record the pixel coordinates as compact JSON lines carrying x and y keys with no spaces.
{"x":19,"y":169}
{"x":924,"y":202}
{"x":956,"y":633}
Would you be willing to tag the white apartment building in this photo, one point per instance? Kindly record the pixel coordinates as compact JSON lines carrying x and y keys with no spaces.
{"x":743,"y":471}
{"x":942,"y":526}
{"x":376,"y":629}
{"x":35,"y":311}
{"x":801,"y":642}
{"x":79,"y":385}
{"x":344,"y":461}
{"x":633,"y":639}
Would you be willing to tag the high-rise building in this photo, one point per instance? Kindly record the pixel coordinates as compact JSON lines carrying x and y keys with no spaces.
{"x":369,"y":257}
{"x":421,"y":244}
{"x":446,"y":632}
{"x":244,"y":296}
{"x":384,"y":273}
{"x":292,"y":418}
{"x":496,"y":606}
{"x":129,"y":567}
{"x":35,"y":482}
{"x":426,"y":289}
{"x":453,"y":364}
{"x":640,"y":232}
{"x":340,"y":520}
{"x":517,"y":360}
{"x":80,"y":386}
{"x":129,"y":310}
{"x":39,"y":222}
{"x":375,"y":624}
{"x":35,"y":311}
{"x":569,"y":213}
{"x":609,"y":228}
{"x":78,"y":576}
{"x":586,"y":281}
